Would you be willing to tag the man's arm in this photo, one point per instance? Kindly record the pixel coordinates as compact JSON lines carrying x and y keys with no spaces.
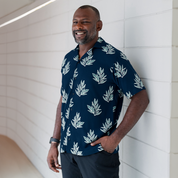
{"x":52,"y":158}
{"x":136,"y":108}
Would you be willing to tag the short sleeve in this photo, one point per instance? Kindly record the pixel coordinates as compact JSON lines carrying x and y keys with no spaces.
{"x":126,"y":77}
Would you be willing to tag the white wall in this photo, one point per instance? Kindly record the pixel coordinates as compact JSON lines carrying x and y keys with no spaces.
{"x":31,"y":51}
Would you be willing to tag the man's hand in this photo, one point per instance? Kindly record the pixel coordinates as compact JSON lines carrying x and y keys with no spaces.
{"x":52,"y":158}
{"x":107,"y":143}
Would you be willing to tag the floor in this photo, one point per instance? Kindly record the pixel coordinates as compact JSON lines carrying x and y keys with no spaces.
{"x":13,"y":162}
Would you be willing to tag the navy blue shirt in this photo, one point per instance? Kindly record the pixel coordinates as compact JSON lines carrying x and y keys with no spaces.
{"x":92,"y":95}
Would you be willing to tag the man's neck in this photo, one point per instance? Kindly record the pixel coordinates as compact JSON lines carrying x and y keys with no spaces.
{"x":85,"y":47}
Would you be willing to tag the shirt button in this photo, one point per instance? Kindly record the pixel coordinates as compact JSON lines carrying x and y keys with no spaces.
{"x":73,"y":93}
{"x":71,"y":109}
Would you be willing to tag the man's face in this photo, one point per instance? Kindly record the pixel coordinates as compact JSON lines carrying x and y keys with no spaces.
{"x":84,"y":26}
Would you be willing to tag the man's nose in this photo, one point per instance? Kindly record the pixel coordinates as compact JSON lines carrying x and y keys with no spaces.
{"x":79,"y":26}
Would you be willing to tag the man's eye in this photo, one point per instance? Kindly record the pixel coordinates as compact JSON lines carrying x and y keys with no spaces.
{"x":74,"y":22}
{"x":85,"y":21}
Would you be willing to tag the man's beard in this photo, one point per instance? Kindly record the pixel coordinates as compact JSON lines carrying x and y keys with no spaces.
{"x":87,"y":37}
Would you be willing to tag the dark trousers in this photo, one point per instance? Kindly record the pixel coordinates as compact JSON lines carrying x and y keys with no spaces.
{"x":99,"y":165}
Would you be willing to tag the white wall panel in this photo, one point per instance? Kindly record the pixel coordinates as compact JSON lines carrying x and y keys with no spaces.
{"x":130,"y":172}
{"x":141,"y":156}
{"x":173,"y":165}
{"x":2,"y":38}
{"x":3,"y":112}
{"x":2,"y":59}
{"x":2,"y":69}
{"x":41,"y":28}
{"x":2,"y":122}
{"x":2,"y":48}
{"x":149,"y":130}
{"x":11,"y":103}
{"x":154,"y":30}
{"x":175,"y":28}
{"x":156,"y":91}
{"x":174,"y":133}
{"x":117,"y":28}
{"x":174,"y":64}
{"x":2,"y":90}
{"x":12,"y":36}
{"x":139,"y":7}
{"x":60,"y":23}
{"x":151,"y":63}
{"x":114,"y":8}
{"x":3,"y":130}
{"x":77,"y":3}
{"x":174,"y":110}
{"x":11,"y":114}
{"x":2,"y":101}
{"x":12,"y":58}
{"x":2,"y":80}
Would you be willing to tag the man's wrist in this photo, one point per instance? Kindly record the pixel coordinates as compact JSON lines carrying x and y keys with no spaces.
{"x":54,"y":140}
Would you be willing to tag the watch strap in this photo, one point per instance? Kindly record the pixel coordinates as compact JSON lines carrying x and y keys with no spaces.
{"x":54,"y":140}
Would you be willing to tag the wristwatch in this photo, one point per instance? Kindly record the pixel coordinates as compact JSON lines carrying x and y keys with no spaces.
{"x":54,"y":140}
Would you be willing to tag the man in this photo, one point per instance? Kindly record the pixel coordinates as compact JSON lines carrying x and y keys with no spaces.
{"x":95,"y":76}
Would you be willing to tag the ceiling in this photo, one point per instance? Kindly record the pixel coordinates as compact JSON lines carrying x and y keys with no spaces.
{"x":9,"y":6}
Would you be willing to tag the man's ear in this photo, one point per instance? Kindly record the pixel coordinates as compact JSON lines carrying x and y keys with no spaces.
{"x":99,"y":25}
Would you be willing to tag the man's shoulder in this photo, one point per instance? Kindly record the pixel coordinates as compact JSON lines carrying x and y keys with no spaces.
{"x":111,"y":51}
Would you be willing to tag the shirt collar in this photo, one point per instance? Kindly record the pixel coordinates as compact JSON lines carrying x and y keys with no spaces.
{"x":99,"y":43}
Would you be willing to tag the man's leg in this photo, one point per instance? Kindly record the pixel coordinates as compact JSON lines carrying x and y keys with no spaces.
{"x":69,"y":166}
{"x":99,"y":165}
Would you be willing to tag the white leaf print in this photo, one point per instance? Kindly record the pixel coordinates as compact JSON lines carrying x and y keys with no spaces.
{"x":100,"y":77}
{"x":121,"y":94}
{"x":68,"y":110}
{"x":66,"y":69}
{"x":138,"y":83}
{"x":71,"y":103}
{"x":72,"y":80}
{"x":80,"y":90}
{"x":123,"y":56}
{"x":87,"y":61}
{"x":108,"y":49}
{"x":100,"y":40}
{"x":68,"y":134}
{"x":75,"y":150}
{"x":90,"y":137}
{"x":71,"y":83}
{"x":120,"y":70}
{"x":76,"y":58}
{"x":106,"y":126}
{"x":62,"y":151}
{"x":109,"y":95}
{"x":65,"y":141}
{"x":100,"y":148}
{"x":67,"y":113}
{"x":63,"y":123}
{"x":90,"y":52}
{"x":95,"y":108}
{"x":75,"y":73}
{"x":63,"y":62}
{"x":114,"y":108}
{"x":76,"y":122}
{"x":129,"y":95}
{"x":111,"y":69}
{"x":64,"y":96}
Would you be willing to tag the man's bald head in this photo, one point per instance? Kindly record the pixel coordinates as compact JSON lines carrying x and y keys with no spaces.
{"x":93,"y":8}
